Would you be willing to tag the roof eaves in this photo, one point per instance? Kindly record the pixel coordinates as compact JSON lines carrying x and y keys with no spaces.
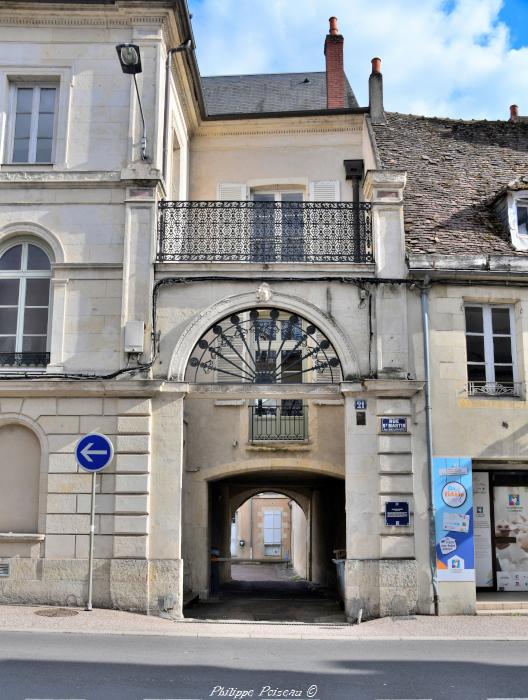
{"x":282,"y":114}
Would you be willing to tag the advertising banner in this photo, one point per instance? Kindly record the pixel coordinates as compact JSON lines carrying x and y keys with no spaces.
{"x":511,"y":537}
{"x":482,"y":530}
{"x":453,"y":502}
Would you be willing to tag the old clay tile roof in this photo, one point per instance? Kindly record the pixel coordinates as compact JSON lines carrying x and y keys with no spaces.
{"x":454,"y":170}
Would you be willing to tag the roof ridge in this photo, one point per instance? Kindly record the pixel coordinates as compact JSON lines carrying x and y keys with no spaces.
{"x":454,"y":120}
{"x":261,"y":75}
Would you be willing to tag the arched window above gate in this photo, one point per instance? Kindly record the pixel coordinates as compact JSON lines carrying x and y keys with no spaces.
{"x":264,"y":346}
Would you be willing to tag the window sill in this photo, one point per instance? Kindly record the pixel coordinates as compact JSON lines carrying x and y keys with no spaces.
{"x":24,"y":166}
{"x":14,"y":537}
{"x":278,"y":446}
{"x":493,"y":397}
{"x":22,"y":370}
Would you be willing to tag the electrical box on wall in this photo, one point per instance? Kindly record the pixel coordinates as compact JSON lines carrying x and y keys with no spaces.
{"x":134,"y":336}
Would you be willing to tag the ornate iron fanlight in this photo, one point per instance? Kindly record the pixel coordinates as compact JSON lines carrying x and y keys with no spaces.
{"x":264,"y":346}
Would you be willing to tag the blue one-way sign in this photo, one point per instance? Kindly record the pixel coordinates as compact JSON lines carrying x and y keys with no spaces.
{"x":94,"y":452}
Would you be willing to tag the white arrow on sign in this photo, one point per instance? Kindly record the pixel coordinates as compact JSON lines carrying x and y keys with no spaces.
{"x":86,"y":452}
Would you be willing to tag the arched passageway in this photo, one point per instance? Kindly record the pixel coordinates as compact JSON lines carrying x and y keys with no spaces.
{"x":264,"y":415}
{"x":273,"y":537}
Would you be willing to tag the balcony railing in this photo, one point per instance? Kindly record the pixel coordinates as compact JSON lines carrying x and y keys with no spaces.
{"x":24,"y":359}
{"x":494,"y":388}
{"x":286,"y":421}
{"x":265,"y":232}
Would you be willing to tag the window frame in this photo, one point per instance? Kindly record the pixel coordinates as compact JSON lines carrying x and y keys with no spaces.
{"x":489,"y":350}
{"x":37,"y":85}
{"x":273,"y":513}
{"x":521,"y":203}
{"x":515,"y":199}
{"x":277,"y":195}
{"x":23,"y":275}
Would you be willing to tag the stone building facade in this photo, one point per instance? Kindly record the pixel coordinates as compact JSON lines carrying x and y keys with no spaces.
{"x":233,"y":304}
{"x":466,"y":245}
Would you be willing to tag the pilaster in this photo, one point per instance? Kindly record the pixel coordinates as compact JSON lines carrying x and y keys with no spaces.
{"x":58,"y":315}
{"x":381,"y":571}
{"x":384,"y":188}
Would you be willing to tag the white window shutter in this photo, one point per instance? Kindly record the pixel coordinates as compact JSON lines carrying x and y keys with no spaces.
{"x":231,"y":191}
{"x":324,"y":191}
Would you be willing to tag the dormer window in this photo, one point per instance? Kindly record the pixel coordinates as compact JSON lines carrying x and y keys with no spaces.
{"x":511,"y":209}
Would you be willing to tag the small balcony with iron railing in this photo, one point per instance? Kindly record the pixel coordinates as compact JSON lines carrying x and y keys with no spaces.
{"x":265,"y":232}
{"x":281,"y":421}
{"x":26,"y":360}
{"x":494,"y":389}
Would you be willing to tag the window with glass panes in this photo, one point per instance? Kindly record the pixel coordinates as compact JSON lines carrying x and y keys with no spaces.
{"x":34,"y":123}
{"x":490,"y":344}
{"x":272,"y":527}
{"x":522,"y":218}
{"x":25,"y":273}
{"x":277,"y":231}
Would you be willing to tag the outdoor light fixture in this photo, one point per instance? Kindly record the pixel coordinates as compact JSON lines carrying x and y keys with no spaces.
{"x":130,"y":60}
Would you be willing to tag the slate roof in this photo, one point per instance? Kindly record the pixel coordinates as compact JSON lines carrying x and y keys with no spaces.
{"x":454,"y":170}
{"x":272,"y":92}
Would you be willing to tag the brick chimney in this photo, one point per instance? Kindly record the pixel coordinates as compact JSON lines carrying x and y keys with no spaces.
{"x":514,"y":113}
{"x":335,"y":74}
{"x":377,"y":113}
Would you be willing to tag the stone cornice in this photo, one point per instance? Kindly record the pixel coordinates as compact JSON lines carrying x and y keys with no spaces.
{"x":468,"y":266}
{"x":393,"y":388}
{"x":67,"y":178}
{"x":264,"y":128}
{"x":253,"y":391}
{"x":41,"y":386}
{"x":265,"y":270}
{"x":76,"y":17}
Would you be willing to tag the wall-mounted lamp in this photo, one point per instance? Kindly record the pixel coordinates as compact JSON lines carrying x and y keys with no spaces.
{"x":130,"y":60}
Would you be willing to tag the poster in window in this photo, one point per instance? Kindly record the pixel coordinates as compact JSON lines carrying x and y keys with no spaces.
{"x":482,"y":530}
{"x":511,"y":537}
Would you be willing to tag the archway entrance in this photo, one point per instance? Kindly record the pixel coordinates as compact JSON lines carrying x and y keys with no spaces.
{"x":273,"y":538}
{"x":265,"y":422}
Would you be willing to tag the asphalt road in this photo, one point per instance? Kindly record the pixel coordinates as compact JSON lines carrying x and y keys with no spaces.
{"x":96,"y":667}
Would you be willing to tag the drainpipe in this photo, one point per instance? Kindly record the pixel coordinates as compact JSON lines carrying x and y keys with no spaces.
{"x":186,"y":46}
{"x":424,"y":297}
{"x":251,"y":527}
{"x":355,"y":170}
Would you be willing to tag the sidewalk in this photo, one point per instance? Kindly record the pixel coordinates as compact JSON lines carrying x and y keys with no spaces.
{"x":16,"y":618}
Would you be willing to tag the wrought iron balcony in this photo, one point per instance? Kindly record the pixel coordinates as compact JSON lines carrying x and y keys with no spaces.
{"x":494,"y":388}
{"x":265,"y":232}
{"x":24,"y":359}
{"x":286,"y":420}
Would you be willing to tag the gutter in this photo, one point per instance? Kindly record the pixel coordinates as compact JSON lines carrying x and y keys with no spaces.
{"x":424,"y":298}
{"x":281,"y":114}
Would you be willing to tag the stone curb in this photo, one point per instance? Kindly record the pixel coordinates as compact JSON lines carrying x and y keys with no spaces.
{"x":239,"y":635}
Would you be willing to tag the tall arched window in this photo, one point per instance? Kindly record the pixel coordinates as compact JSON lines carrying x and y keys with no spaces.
{"x":25,"y":273}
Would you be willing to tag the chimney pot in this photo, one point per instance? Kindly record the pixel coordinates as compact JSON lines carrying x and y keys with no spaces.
{"x":376,"y":65}
{"x":333,"y":26}
{"x":514,"y":113}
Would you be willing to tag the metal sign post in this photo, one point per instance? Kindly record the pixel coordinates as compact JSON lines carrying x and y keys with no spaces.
{"x":91,"y":549}
{"x":94,"y":452}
